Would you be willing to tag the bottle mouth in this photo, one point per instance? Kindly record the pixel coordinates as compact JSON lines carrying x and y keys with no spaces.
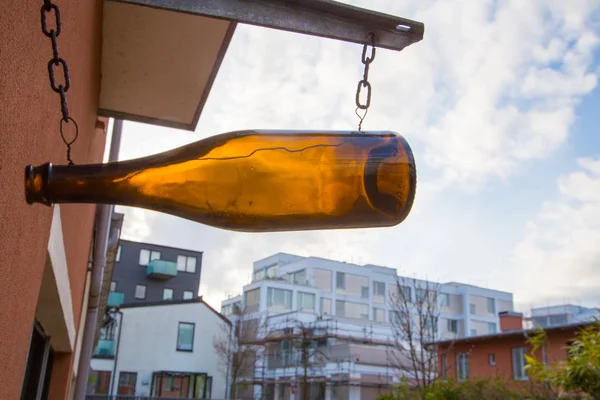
{"x":36,"y":179}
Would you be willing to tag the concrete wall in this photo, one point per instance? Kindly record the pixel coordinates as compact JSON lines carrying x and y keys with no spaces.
{"x":155,"y":327}
{"x":128,"y":273}
{"x":29,"y":122}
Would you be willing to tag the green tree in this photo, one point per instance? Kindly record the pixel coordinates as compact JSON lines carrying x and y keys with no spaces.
{"x":579,"y":373}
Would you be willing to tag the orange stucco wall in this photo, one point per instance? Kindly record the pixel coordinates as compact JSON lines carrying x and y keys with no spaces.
{"x":29,"y":117}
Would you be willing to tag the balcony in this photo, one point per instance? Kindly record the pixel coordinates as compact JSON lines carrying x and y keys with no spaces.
{"x":115,"y":299}
{"x":105,"y":349}
{"x":160,"y":269}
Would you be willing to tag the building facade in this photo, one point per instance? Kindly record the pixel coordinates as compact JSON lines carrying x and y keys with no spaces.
{"x":562,"y":314}
{"x":350,"y":306}
{"x":162,"y":349}
{"x":147,"y":273}
{"x":503,"y":353}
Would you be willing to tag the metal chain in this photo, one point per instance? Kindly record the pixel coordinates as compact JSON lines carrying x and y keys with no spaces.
{"x":58,"y":62}
{"x":364,"y":82}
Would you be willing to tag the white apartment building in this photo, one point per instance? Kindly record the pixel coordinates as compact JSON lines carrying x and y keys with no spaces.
{"x":562,"y":314}
{"x":353,"y":301}
{"x":162,"y":349}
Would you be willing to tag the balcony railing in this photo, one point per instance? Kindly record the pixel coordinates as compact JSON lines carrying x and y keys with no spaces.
{"x":105,"y":349}
{"x":115,"y":299}
{"x":161,"y":269}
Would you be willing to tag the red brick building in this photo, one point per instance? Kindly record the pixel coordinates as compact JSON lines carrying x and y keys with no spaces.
{"x":501,"y":354}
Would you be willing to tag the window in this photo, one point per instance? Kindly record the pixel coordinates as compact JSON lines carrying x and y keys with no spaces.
{"x":98,"y":382}
{"x":186,"y":264}
{"x":491,"y":327}
{"x":340,"y":280}
{"x":140,"y":292}
{"x":38,"y":369}
{"x":187,"y":295}
{"x":279,"y":298}
{"x":421,"y":294}
{"x":431,"y":325}
{"x":185,"y":336}
{"x":364,"y":292}
{"x":340,"y":308}
{"x":259,"y":275}
{"x":146,"y":256}
{"x":127,"y":381}
{"x":444,"y":300}
{"x":118,"y":256}
{"x":558,"y":319}
{"x":113,"y":286}
{"x":351,"y":310}
{"x":306,"y":302}
{"x":323,"y":279}
{"x":167,"y":294}
{"x":378,"y":314}
{"x":271,"y":271}
{"x":378,"y":289}
{"x":492,"y":359}
{"x":473,"y":332}
{"x":491,"y":305}
{"x":472,"y":308}
{"x":518,"y":361}
{"x":453,"y":325}
{"x":325,"y":306}
{"x":298,"y":277}
{"x":444,"y":366}
{"x":462,"y":363}
{"x":252,"y":300}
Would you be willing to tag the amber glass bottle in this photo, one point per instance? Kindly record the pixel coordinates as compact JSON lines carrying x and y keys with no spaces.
{"x":254,"y":181}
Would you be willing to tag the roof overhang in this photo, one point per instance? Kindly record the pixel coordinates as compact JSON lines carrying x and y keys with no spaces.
{"x":158,"y":66}
{"x":160,"y":57}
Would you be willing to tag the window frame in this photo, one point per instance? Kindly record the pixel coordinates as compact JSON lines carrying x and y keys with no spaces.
{"x":135,"y":296}
{"x":378,"y":283}
{"x":446,"y":299}
{"x":191,"y":294}
{"x":523,"y":351}
{"x":492,"y":301}
{"x":338,"y":275}
{"x":172,"y":294}
{"x":452,"y":322}
{"x":287,"y":294}
{"x":193,"y":324}
{"x":465,"y":357}
{"x":444,"y":366}
{"x":135,"y":375}
{"x":300,"y":295}
{"x":151,"y":253}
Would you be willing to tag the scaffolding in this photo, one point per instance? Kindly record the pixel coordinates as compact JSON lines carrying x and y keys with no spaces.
{"x":296,"y":354}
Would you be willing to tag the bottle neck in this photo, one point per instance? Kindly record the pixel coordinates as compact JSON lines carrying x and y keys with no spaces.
{"x":49,"y":184}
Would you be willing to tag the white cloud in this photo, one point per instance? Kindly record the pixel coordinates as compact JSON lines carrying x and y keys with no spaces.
{"x":493,"y":86}
{"x":560,"y":257}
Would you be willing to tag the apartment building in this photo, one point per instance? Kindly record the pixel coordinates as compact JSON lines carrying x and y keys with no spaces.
{"x":562,"y":314}
{"x":162,"y":349}
{"x":350,"y":306}
{"x":503,"y":353}
{"x":148,"y":273}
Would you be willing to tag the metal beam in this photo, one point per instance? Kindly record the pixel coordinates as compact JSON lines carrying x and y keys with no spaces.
{"x":323,"y":18}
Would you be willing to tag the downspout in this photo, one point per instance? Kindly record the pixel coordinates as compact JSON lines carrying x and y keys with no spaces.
{"x":102,"y":223}
{"x":114,"y":371}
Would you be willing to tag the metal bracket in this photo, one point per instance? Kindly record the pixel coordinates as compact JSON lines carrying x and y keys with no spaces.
{"x":323,"y":18}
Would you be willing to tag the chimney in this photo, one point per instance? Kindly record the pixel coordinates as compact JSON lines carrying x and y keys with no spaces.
{"x":510,"y":321}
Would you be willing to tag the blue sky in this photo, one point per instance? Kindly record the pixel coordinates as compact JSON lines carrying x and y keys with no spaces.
{"x":500,"y":103}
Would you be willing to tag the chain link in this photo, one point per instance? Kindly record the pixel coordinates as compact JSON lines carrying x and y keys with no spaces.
{"x":364,"y":83}
{"x":57,"y":62}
